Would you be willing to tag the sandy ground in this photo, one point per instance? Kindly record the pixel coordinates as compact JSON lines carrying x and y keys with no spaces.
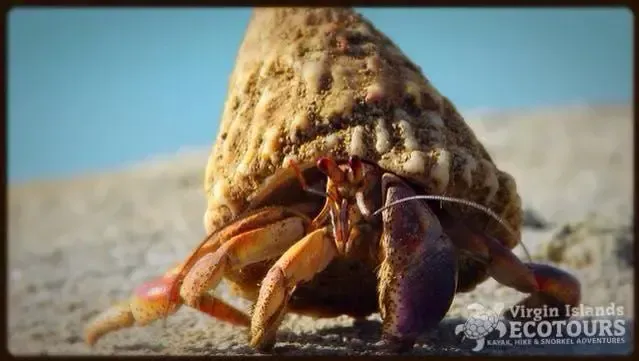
{"x":76,"y":246}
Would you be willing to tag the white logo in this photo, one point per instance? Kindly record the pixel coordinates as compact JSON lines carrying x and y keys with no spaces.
{"x":481,"y":323}
{"x":544,"y":326}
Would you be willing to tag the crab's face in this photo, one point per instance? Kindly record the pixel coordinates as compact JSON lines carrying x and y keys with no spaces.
{"x":353,"y":193}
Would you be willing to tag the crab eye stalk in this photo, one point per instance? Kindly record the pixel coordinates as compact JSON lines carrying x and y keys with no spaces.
{"x":328,"y":166}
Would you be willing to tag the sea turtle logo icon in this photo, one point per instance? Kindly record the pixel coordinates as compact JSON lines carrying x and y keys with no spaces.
{"x":481,"y":323}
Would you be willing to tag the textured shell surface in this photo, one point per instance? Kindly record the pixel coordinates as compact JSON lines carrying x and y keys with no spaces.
{"x":311,"y":82}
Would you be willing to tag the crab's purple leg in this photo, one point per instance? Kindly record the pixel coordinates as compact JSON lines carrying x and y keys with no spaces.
{"x":548,"y":286}
{"x":501,"y":263}
{"x":557,"y":290}
{"x":418,"y":273}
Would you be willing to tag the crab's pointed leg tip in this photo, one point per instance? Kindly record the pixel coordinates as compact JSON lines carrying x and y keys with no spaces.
{"x":262,"y":344}
{"x":396,"y":344}
{"x":114,"y":318}
{"x":89,"y":338}
{"x":558,"y":289}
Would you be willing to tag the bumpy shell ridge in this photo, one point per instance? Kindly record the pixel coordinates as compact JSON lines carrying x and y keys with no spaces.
{"x":310,"y":82}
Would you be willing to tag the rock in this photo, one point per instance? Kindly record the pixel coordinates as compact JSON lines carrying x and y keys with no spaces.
{"x":591,"y":241}
{"x":534,"y":220}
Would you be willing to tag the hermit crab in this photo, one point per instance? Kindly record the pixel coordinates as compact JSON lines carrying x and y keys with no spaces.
{"x":343,"y":183}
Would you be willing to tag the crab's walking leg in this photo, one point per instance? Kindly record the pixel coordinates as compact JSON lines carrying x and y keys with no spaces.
{"x":244,"y":249}
{"x":501,"y":263}
{"x":557,"y":290}
{"x":300,"y":263}
{"x":261,"y":232}
{"x":418,"y":274}
{"x":548,"y":286}
{"x":150,"y":301}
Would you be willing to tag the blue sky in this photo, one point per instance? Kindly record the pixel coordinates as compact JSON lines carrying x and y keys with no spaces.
{"x":93,"y":89}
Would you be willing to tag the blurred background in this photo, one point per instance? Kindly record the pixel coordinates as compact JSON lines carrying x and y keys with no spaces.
{"x":97,"y":89}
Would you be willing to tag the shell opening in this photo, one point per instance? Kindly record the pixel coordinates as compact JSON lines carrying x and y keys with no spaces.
{"x":305,"y":186}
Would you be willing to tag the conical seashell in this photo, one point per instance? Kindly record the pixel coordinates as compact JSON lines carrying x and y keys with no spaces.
{"x":311,"y":82}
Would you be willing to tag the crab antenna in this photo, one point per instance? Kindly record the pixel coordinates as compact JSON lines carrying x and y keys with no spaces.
{"x":482,"y":208}
{"x":305,"y":187}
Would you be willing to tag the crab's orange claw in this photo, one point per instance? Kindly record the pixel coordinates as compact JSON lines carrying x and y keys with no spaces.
{"x":557,"y":289}
{"x":418,"y":275}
